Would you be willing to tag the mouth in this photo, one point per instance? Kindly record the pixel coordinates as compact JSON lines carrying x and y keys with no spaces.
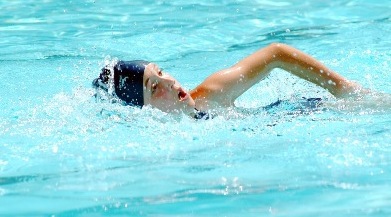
{"x":182,"y":95}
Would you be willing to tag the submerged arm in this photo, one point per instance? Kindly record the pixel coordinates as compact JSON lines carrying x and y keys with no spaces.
{"x":228,"y":84}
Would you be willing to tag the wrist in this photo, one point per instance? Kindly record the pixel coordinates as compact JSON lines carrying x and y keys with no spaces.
{"x":351,"y":89}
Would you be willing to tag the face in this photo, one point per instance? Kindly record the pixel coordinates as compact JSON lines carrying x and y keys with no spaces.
{"x":165,"y":93}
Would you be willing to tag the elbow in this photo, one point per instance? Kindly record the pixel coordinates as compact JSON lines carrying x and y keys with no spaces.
{"x":282,"y":53}
{"x":276,"y":44}
{"x":278,"y":53}
{"x":278,"y":48}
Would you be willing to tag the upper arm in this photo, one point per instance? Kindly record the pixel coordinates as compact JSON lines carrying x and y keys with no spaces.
{"x":228,"y":84}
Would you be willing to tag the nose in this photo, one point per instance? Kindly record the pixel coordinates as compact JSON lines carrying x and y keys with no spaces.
{"x":167,"y":80}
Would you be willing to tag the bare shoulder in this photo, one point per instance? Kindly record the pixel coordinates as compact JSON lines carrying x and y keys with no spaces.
{"x":214,"y":90}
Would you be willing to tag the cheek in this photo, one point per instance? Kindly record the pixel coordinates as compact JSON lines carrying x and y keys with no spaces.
{"x":161,"y":94}
{"x":163,"y":100}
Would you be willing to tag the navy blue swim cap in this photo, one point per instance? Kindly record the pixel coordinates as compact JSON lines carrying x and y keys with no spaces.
{"x":128,"y":81}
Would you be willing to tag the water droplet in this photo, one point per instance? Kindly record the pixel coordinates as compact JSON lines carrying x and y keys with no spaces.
{"x":55,"y":149}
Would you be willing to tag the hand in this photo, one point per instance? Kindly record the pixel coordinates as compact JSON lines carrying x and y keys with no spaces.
{"x":353,"y":90}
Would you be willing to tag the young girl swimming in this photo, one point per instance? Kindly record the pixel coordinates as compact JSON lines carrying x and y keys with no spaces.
{"x":140,"y":83}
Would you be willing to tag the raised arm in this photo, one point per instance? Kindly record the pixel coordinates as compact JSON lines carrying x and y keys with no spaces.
{"x":226,"y":85}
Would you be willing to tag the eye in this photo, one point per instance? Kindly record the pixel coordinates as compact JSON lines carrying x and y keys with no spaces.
{"x":153,"y":87}
{"x":160,"y":72}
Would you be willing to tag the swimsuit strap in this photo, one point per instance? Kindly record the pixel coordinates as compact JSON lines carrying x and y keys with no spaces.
{"x":201,"y":115}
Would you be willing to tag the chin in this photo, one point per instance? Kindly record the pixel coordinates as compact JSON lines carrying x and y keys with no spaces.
{"x":184,"y":108}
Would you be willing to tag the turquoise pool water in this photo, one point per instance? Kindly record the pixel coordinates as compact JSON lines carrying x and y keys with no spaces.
{"x":64,"y":154}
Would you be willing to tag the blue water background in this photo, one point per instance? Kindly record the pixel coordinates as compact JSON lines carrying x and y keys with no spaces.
{"x":64,"y":154}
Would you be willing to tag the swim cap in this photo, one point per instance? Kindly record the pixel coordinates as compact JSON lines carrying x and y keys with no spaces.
{"x":128,"y":81}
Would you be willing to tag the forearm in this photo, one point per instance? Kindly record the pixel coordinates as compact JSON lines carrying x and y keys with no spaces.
{"x":310,"y":69}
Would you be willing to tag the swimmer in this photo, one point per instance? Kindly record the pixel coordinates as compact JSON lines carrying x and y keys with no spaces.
{"x":141,"y":83}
